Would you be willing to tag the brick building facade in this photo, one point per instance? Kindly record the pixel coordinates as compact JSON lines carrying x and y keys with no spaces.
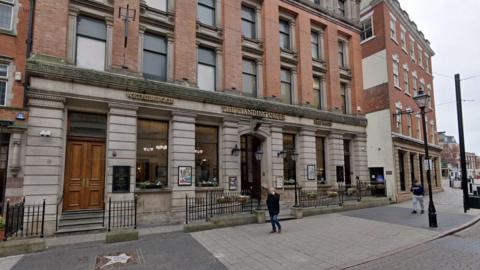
{"x":190,"y":99}
{"x":397,"y":64}
{"x":14,"y":21}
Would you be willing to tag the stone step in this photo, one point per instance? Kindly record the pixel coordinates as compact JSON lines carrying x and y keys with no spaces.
{"x":79,"y":230}
{"x":79,"y":222}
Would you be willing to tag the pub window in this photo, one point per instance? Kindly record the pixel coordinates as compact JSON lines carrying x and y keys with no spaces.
{"x":320,"y":150}
{"x":249,"y":22}
{"x":286,"y":85}
{"x":91,"y":43}
{"x":155,"y":57}
{"x":289,"y":165}
{"x":6,"y":14}
{"x":206,"y":12}
{"x":249,"y":78}
{"x":206,"y":69}
{"x":284,"y":34}
{"x":317,"y":93}
{"x":3,"y":83}
{"x":152,"y":154}
{"x":158,"y":4}
{"x":206,"y":156}
{"x":87,"y":125}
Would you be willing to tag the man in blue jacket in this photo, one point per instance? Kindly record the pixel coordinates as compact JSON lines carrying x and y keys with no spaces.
{"x":273,"y":204}
{"x":418,"y":193}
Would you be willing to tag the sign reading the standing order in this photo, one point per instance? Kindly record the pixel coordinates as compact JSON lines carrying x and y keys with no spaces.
{"x":149,"y":98}
{"x":250,"y":112}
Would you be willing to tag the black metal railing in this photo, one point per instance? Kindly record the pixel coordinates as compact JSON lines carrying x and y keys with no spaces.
{"x":313,"y":199}
{"x":122,"y":214}
{"x":217,"y":203}
{"x":23,"y":220}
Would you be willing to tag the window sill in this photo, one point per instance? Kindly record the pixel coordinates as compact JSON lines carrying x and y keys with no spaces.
{"x":368,"y":39}
{"x":398,"y":87}
{"x":394,"y":40}
{"x":405,"y":50}
{"x":210,"y":27}
{"x":197,"y":188}
{"x":252,"y":40}
{"x":8,"y":32}
{"x":408,"y":94}
{"x":289,"y":51}
{"x":289,"y":186}
{"x":153,"y":190}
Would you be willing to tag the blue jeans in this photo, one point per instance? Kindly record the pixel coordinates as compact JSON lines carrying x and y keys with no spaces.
{"x":274,"y":221}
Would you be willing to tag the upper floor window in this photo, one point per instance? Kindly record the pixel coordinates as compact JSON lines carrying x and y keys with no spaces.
{"x":419,"y":127}
{"x":249,"y":22}
{"x":91,"y":43}
{"x":206,"y":69}
{"x":412,"y":49}
{"x":315,"y":40}
{"x":393,"y":28}
{"x":398,"y":118}
{"x":342,"y":57}
{"x":3,"y":83}
{"x":415,"y":84}
{"x":317,"y":93}
{"x":158,"y":4}
{"x":341,"y":7}
{"x":406,"y":81}
{"x":249,"y":78}
{"x":6,"y":14}
{"x":155,"y":57}
{"x":286,"y":85}
{"x":315,"y":2}
{"x":344,"y":97}
{"x":403,"y":39}
{"x":206,"y":12}
{"x":396,"y":78}
{"x":420,"y":56}
{"x":427,"y":62}
{"x":409,"y":124}
{"x":284,"y":34}
{"x":367,"y":28}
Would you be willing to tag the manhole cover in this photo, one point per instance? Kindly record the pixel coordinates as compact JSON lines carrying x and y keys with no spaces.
{"x":116,"y":259}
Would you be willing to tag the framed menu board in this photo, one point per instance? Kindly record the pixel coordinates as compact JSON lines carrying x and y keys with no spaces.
{"x":121,"y":179}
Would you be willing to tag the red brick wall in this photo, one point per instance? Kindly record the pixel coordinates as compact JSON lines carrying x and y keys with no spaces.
{"x":232,"y":45}
{"x":185,"y":41}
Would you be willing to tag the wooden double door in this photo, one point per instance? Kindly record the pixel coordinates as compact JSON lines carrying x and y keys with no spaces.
{"x":84,"y":175}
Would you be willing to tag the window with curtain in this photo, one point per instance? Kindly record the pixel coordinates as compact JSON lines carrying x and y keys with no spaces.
{"x":249,"y":78}
{"x":206,"y":156}
{"x":155,"y":57}
{"x":320,"y":153}
{"x":286,"y":85}
{"x":206,"y":12}
{"x":284,"y":34}
{"x":289,"y":165}
{"x":249,"y":22}
{"x":6,"y":14}
{"x":91,"y":43}
{"x":317,"y":93}
{"x":152,"y":154}
{"x":206,"y":69}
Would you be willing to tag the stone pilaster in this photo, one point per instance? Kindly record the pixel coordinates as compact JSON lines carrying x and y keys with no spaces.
{"x":231,"y":164}
{"x":360,"y":160}
{"x":335,"y":156}
{"x":277,"y":146}
{"x":307,"y":156}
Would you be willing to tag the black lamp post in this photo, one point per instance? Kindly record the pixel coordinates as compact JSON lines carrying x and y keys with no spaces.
{"x":294,"y":154}
{"x":422,"y":101}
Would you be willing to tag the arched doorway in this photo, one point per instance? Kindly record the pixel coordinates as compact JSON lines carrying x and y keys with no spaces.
{"x":251,"y":165}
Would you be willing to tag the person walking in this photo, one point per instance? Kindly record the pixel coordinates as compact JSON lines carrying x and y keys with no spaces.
{"x":417,"y":197}
{"x":273,"y":204}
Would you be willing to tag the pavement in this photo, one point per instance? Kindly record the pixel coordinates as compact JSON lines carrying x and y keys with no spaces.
{"x":372,"y":238}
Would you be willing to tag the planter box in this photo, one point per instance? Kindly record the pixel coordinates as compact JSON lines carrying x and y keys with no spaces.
{"x":297,"y":212}
{"x":260,"y":215}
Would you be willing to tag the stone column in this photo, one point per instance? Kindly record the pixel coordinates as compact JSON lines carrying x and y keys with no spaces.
{"x":121,"y":145}
{"x":307,"y":156}
{"x":182,"y":152}
{"x":335,"y":156}
{"x":277,"y":146}
{"x":43,"y":170}
{"x":14,"y":183}
{"x":231,"y":164}
{"x":360,"y":158}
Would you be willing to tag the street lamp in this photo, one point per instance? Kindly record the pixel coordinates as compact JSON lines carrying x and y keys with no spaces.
{"x":422,"y":101}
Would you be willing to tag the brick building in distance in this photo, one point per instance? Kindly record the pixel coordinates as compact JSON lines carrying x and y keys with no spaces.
{"x":397,"y":64}
{"x":201,"y":95}
{"x":14,"y":25}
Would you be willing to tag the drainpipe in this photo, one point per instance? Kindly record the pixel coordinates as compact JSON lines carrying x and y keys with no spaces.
{"x":31,"y":18}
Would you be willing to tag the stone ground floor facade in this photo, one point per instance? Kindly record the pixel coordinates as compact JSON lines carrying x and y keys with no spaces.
{"x":86,"y":144}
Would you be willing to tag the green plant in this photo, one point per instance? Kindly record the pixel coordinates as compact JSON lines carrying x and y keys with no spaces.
{"x":2,"y":223}
{"x":351,"y":191}
{"x":312,"y":195}
{"x":332,"y":194}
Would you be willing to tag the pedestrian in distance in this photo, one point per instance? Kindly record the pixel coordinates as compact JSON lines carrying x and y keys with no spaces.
{"x":417,"y":197}
{"x":273,"y":204}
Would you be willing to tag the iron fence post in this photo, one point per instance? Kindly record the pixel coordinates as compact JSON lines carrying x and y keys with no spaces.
{"x":109,"y":211}
{"x":6,"y":221}
{"x":135,"y":201}
{"x":43,"y":219}
{"x":186,"y":208}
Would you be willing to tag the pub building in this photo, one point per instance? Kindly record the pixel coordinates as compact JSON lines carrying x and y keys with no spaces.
{"x":186,"y":105}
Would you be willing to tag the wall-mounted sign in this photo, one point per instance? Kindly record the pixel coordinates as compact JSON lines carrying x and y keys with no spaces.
{"x":250,"y":112}
{"x":322,"y":123}
{"x":232,"y":183}
{"x":388,"y":172}
{"x":279,"y":182}
{"x":311,"y":172}
{"x":184,"y":175}
{"x":121,"y":179}
{"x":150,"y":98}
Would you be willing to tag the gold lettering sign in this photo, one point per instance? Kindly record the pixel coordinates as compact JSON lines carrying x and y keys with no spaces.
{"x":322,"y":123}
{"x":250,"y":112}
{"x":150,"y":98}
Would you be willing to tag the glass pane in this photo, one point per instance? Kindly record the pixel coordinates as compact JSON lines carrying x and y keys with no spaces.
{"x":316,"y":99}
{"x":284,"y":27}
{"x":285,"y":75}
{"x":249,"y":67}
{"x":289,"y":168}
{"x":3,"y":70}
{"x":158,"y":4}
{"x":249,"y":85}
{"x":284,"y":41}
{"x":154,"y":66}
{"x":206,"y":56}
{"x":155,"y":43}
{"x":206,"y":77}
{"x":320,"y":149}
{"x":6,"y":16}
{"x":206,"y":15}
{"x":152,"y":154}
{"x":87,"y":124}
{"x":90,"y":53}
{"x":286,"y":93}
{"x":91,"y":28}
{"x":3,"y":89}
{"x":206,"y":156}
{"x":248,"y":29}
{"x":210,"y":3}
{"x":248,"y":13}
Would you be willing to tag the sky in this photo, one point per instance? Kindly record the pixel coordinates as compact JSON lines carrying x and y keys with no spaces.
{"x":453,"y":29}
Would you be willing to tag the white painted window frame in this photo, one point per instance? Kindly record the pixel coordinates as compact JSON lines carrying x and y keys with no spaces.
{"x":5,"y":79}
{"x":11,"y":3}
{"x":393,"y":28}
